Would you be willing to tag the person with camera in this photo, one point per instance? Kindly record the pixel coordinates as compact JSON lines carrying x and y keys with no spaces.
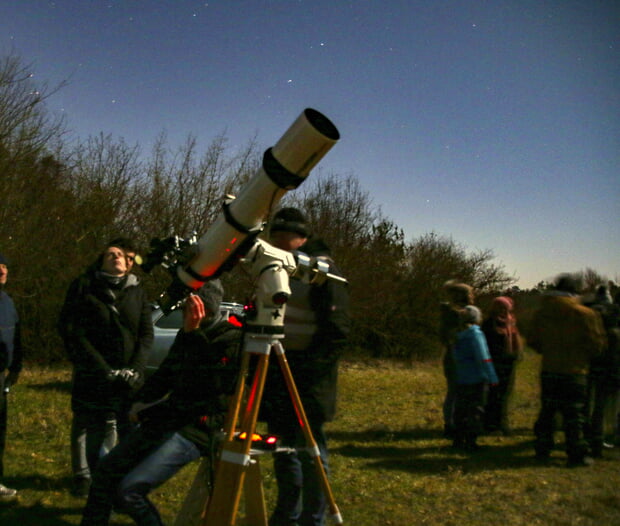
{"x":10,"y":366}
{"x":180,"y":410}
{"x":106,"y":326}
{"x":316,"y":324}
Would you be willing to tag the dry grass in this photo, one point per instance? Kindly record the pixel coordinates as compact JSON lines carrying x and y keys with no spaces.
{"x":390,"y":464}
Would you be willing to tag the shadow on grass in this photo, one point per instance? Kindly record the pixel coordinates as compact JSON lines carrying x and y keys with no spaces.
{"x":57,"y":385}
{"x":40,"y":510}
{"x":39,"y":483}
{"x":388,"y":435}
{"x":38,"y":514}
{"x":433,"y":453}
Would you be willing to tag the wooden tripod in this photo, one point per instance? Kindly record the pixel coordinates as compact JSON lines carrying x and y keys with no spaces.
{"x":236,"y":460}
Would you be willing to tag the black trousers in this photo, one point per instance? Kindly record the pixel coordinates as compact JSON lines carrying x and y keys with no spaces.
{"x":469,"y":413}
{"x":498,"y":398}
{"x":566,"y":394}
{"x":3,"y":421}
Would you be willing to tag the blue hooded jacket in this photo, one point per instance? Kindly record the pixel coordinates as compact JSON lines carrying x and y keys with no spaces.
{"x":473,"y":360}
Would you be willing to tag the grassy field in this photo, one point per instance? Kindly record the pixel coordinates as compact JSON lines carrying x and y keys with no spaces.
{"x":390,"y":463}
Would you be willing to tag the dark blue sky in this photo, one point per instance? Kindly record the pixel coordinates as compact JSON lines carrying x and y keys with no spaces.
{"x":494,"y":122}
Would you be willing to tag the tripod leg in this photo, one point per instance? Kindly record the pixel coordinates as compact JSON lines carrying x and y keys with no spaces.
{"x":312,"y":447}
{"x":235,"y":458}
{"x":255,"y":509}
{"x":193,"y":505}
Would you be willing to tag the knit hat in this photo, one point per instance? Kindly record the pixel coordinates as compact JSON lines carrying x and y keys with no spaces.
{"x":3,"y":260}
{"x":211,"y":294}
{"x":459,"y":292}
{"x":567,"y":283}
{"x":471,"y":314}
{"x":502,"y":301}
{"x":290,"y":220}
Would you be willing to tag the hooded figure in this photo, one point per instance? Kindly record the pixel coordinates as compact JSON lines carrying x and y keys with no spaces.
{"x":505,"y":345}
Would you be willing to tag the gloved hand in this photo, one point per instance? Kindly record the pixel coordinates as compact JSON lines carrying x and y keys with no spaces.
{"x":113,"y":374}
{"x":129,"y":376}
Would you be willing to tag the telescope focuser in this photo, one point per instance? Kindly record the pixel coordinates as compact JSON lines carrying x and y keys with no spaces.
{"x":313,"y":270}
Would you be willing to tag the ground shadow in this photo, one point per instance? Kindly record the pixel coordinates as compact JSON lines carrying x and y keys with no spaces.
{"x":38,"y":514}
{"x":495,"y":453}
{"x":39,"y":483}
{"x":388,"y":435}
{"x":59,"y":386}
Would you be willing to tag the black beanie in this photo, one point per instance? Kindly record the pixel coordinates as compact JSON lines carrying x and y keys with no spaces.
{"x":290,"y":220}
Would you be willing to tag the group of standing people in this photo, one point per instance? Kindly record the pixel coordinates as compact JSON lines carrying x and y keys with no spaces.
{"x":479,"y":365}
{"x":130,"y":434}
{"x":580,"y":371}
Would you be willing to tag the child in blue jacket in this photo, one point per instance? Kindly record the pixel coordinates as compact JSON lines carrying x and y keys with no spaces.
{"x":474,"y":373}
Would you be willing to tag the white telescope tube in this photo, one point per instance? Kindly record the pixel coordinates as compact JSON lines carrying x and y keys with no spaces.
{"x":285,"y":166}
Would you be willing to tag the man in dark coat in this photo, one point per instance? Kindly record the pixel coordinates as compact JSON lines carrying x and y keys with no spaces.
{"x":316,"y":324}
{"x":107,"y":329}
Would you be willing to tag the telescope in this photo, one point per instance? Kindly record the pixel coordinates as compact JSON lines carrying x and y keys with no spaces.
{"x":233,"y":234}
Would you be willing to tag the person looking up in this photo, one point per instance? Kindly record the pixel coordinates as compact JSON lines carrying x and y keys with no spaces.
{"x":106,"y":326}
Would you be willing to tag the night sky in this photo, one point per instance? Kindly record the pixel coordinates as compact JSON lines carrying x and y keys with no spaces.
{"x":494,"y":122}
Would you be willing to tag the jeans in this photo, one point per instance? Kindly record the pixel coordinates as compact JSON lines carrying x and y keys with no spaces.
{"x":82,"y":449}
{"x":153,"y":471}
{"x":301,"y":500}
{"x":93,"y":434}
{"x":142,"y":461}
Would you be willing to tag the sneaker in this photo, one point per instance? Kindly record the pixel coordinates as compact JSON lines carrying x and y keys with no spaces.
{"x":7,"y":494}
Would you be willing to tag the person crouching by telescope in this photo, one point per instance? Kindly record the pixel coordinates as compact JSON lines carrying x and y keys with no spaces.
{"x":105,"y":323}
{"x":474,"y":373}
{"x":316,"y":324}
{"x":180,"y":409}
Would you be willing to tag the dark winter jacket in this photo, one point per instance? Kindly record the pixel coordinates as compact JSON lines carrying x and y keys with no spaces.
{"x":105,"y":327}
{"x":196,"y":379}
{"x":322,"y":311}
{"x":10,"y":336}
